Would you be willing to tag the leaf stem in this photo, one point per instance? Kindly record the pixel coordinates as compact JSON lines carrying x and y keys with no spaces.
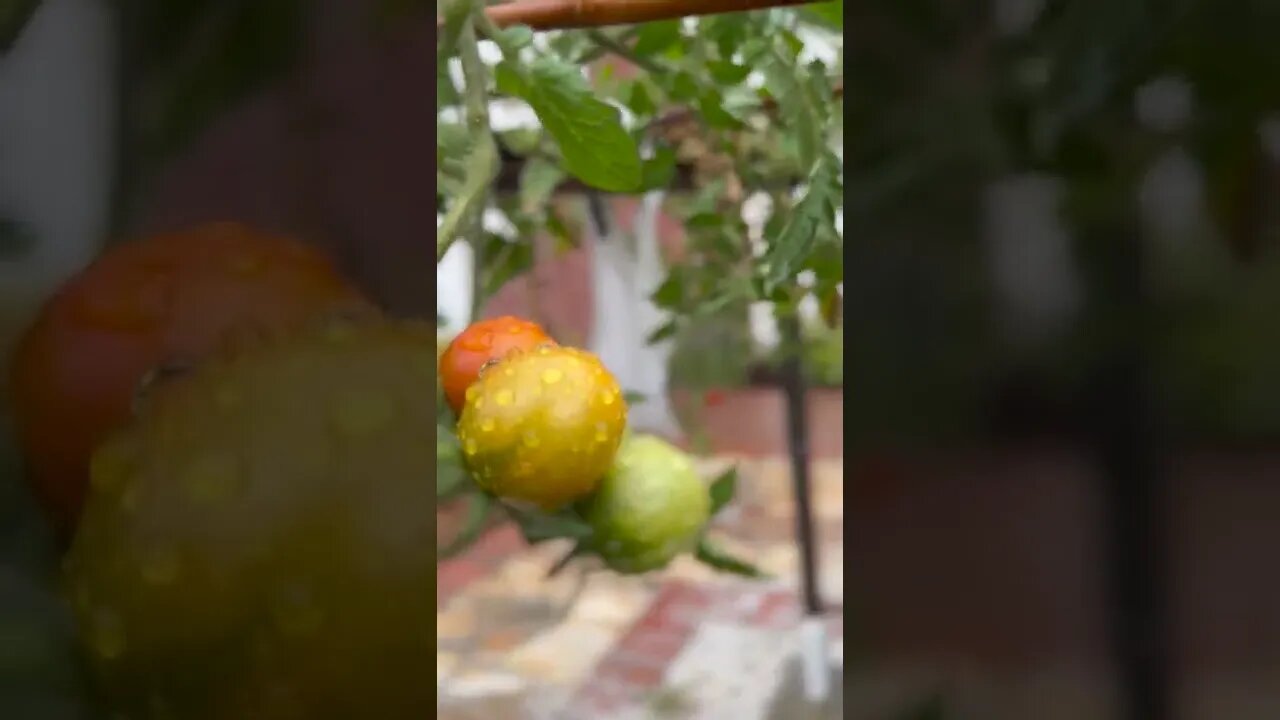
{"x":466,"y":214}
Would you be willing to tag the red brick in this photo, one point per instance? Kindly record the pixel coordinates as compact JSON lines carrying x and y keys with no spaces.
{"x":633,"y":671}
{"x":661,"y":645}
{"x":775,"y":609}
{"x":456,"y":574}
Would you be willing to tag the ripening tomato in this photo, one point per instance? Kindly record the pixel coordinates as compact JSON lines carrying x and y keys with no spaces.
{"x":162,"y":300}
{"x":543,"y":426}
{"x":480,"y":343}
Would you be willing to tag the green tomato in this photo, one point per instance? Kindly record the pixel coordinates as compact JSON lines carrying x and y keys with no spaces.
{"x":651,"y":506}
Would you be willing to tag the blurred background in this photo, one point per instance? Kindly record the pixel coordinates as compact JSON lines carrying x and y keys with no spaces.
{"x":1061,"y":441}
{"x":1062,"y":449}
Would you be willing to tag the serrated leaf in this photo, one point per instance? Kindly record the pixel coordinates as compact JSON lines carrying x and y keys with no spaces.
{"x":478,"y":507}
{"x":710,"y":555}
{"x":539,"y":526}
{"x":654,"y":37}
{"x":596,"y":148}
{"x":785,"y":83}
{"x":723,"y":488}
{"x":813,"y":215}
{"x":14,"y":16}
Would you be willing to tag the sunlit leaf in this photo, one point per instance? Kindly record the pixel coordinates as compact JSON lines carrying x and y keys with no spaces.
{"x":596,"y":148}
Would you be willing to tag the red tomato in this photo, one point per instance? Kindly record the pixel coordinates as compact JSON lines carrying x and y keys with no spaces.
{"x":480,"y":343}
{"x":140,"y":306}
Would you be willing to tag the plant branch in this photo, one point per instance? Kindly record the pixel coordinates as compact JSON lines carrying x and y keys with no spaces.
{"x":607,"y":43}
{"x":566,"y":14}
{"x":467,"y":212}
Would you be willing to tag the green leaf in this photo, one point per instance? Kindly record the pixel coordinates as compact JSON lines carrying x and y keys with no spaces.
{"x":665,"y":331}
{"x":784,"y":82}
{"x":501,"y":260}
{"x":659,"y":170}
{"x":723,"y":488}
{"x":596,"y":148}
{"x":539,"y":526}
{"x":683,"y":87}
{"x":640,"y":101}
{"x":711,"y":104}
{"x":452,"y":139}
{"x":14,"y":16}
{"x":728,"y":32}
{"x":478,"y":507}
{"x":727,"y":72}
{"x":830,"y":14}
{"x":705,"y":221}
{"x":812,"y":216}
{"x":632,"y":397}
{"x":514,"y":38}
{"x":670,"y":294}
{"x":714,"y":557}
{"x":539,"y":179}
{"x":655,"y":37}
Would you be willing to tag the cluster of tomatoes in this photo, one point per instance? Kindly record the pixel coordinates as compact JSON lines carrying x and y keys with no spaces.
{"x":546,"y":425}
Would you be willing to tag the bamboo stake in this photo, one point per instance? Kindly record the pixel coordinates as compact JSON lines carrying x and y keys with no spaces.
{"x":566,"y":14}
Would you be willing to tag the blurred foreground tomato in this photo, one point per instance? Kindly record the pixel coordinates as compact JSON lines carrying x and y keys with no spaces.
{"x":260,"y":541}
{"x":480,"y":343}
{"x":166,"y":299}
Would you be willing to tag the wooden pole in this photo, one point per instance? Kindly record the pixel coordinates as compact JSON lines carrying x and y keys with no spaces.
{"x":567,"y":14}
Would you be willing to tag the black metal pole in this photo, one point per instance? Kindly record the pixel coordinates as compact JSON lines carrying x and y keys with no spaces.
{"x":1134,"y":490}
{"x":793,"y":386}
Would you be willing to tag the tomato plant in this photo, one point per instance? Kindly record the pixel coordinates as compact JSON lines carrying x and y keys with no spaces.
{"x":721,"y":111}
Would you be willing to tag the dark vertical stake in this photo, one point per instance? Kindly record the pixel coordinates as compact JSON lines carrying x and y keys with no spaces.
{"x":1134,"y":491}
{"x":798,"y":444}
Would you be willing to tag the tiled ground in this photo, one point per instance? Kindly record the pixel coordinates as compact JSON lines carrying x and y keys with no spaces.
{"x":683,"y":643}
